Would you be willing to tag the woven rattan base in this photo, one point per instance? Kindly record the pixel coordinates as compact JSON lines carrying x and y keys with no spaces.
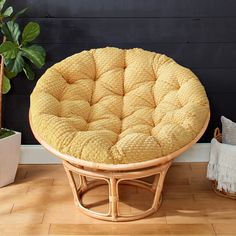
{"x":222,"y":193}
{"x":113,"y":180}
{"x":214,"y":183}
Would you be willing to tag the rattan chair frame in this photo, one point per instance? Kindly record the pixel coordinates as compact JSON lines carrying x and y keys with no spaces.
{"x":115,"y":175}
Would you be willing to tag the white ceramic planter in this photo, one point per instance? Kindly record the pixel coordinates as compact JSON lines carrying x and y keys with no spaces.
{"x":9,"y":158}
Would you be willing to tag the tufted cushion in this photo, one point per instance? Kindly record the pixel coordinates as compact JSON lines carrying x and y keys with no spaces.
{"x":118,"y":106}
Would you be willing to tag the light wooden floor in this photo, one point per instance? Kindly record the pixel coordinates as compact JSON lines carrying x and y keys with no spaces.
{"x":40,"y":203}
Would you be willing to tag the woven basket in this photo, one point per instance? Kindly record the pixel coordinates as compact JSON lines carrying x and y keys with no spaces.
{"x":218,"y":137}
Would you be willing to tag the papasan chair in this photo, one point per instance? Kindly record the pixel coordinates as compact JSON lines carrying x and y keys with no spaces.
{"x":116,"y":116}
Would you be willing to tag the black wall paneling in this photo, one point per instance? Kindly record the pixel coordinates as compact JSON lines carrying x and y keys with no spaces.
{"x":137,"y":30}
{"x":199,"y":34}
{"x":128,"y":8}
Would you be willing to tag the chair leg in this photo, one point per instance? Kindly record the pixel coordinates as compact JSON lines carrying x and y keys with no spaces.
{"x":155,"y":182}
{"x":72,"y":185}
{"x":83,"y":181}
{"x":157,"y":186}
{"x":113,"y":198}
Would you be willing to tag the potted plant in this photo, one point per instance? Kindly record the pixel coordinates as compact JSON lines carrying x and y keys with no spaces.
{"x":18,"y":55}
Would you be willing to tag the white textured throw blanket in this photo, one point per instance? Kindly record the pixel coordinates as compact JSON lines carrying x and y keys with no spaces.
{"x":222,"y":165}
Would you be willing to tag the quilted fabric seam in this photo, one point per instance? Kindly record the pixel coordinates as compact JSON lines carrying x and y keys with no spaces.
{"x":122,"y":106}
{"x":94,"y":86}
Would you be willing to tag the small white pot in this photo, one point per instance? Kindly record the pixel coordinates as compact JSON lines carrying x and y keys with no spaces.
{"x":9,"y":158}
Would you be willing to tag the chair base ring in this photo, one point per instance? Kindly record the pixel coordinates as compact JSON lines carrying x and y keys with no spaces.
{"x":113,"y":180}
{"x":108,"y":217}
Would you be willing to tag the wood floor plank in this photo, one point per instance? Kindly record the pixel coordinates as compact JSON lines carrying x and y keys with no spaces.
{"x":225,"y":228}
{"x":86,"y":235}
{"x":42,"y":202}
{"x":41,"y":197}
{"x":157,"y":218}
{"x":177,"y":195}
{"x":222,"y":216}
{"x":179,"y":204}
{"x":193,"y":188}
{"x":206,"y":195}
{"x":9,"y":234}
{"x":13,"y":190}
{"x":173,"y":181}
{"x":68,"y":216}
{"x":50,"y":190}
{"x":26,"y":229}
{"x":179,"y":170}
{"x":35,"y":172}
{"x":225,"y":234}
{"x":188,"y":217}
{"x":21,"y":218}
{"x":21,"y":173}
{"x":39,"y":182}
{"x":216,"y":204}
{"x":123,"y":229}
{"x":5,"y":208}
{"x":198,"y":165}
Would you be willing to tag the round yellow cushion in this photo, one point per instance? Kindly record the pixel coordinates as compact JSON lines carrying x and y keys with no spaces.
{"x":118,"y":106}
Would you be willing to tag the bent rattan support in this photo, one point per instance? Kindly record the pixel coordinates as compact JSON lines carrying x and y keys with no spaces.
{"x":114,"y":179}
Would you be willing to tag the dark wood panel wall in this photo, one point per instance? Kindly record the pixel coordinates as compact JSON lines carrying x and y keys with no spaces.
{"x":198,"y":34}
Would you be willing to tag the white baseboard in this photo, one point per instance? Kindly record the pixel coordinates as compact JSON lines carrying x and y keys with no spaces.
{"x":36,"y":154}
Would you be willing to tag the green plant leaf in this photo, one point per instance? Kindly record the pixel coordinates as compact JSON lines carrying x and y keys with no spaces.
{"x":2,"y":2}
{"x":9,"y":50}
{"x":8,"y":11}
{"x":19,"y":13}
{"x":28,"y":72}
{"x":36,"y":54}
{"x":11,"y":31}
{"x":15,"y":65}
{"x":5,"y":133}
{"x":9,"y":74}
{"x":6,"y":85}
{"x":30,"y":32}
